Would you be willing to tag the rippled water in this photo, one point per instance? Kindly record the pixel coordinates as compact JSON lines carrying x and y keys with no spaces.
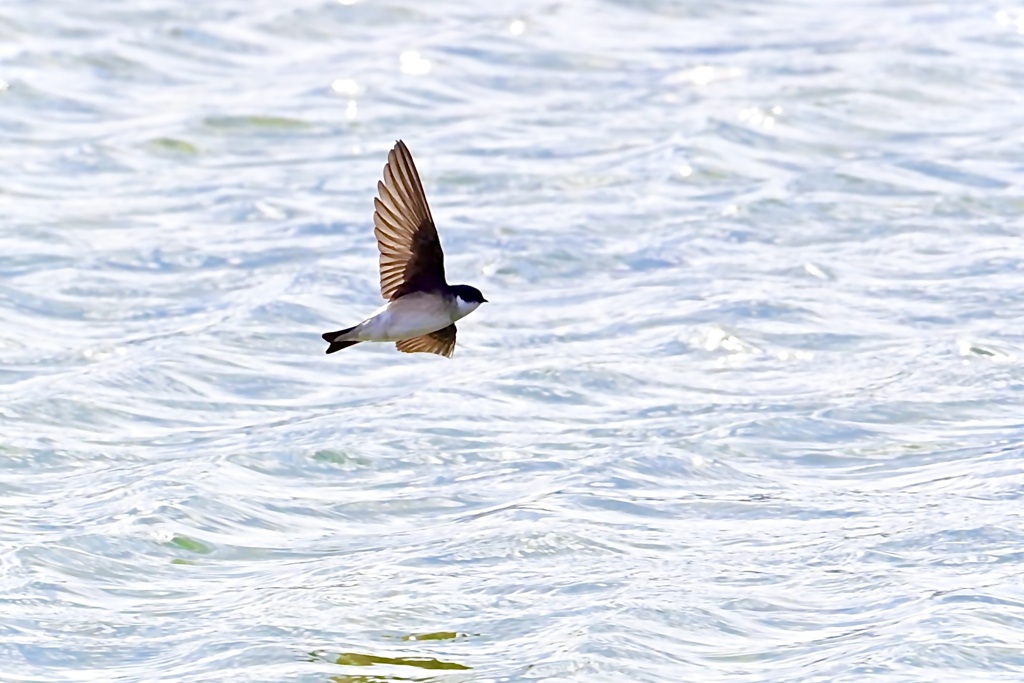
{"x":745,"y":405}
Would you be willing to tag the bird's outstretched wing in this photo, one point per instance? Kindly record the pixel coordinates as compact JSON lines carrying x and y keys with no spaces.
{"x":411,"y":259}
{"x":441,"y":342}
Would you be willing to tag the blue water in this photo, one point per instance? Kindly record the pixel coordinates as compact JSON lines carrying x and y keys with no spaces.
{"x":745,"y":405}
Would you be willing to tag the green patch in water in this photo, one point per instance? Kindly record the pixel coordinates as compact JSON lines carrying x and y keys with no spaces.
{"x":359,"y":659}
{"x":438,"y":635}
{"x":341,"y":458}
{"x":192,"y":545}
{"x":265,"y":122}
{"x":173,"y":146}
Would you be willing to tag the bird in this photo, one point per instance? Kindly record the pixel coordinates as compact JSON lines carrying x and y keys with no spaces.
{"x":421,"y":308}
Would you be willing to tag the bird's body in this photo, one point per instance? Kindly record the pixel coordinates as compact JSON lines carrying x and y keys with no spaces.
{"x":422,"y":307}
{"x":412,"y":315}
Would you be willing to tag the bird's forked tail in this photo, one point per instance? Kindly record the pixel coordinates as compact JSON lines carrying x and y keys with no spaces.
{"x":333,"y":346}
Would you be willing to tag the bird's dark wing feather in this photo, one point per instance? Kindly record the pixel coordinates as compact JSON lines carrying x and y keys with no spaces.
{"x":411,"y":259}
{"x":441,"y":342}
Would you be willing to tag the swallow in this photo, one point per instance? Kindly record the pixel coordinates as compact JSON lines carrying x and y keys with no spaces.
{"x":421,"y":308}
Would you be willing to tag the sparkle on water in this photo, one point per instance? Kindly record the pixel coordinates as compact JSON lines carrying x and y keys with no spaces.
{"x":744,"y":406}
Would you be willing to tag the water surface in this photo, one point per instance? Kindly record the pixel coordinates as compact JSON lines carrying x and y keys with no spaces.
{"x":745,"y":405}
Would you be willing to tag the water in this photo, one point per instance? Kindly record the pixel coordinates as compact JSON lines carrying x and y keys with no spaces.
{"x":745,"y":405}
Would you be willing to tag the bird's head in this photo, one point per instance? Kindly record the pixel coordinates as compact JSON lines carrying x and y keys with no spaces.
{"x":467,"y":298}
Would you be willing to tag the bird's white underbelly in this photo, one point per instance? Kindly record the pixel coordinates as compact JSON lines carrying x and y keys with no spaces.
{"x":397,"y":321}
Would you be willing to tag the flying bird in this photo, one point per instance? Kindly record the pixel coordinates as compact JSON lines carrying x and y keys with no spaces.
{"x":421,"y":307}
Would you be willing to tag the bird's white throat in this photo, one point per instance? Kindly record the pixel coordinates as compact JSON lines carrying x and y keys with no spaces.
{"x":464,"y":307}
